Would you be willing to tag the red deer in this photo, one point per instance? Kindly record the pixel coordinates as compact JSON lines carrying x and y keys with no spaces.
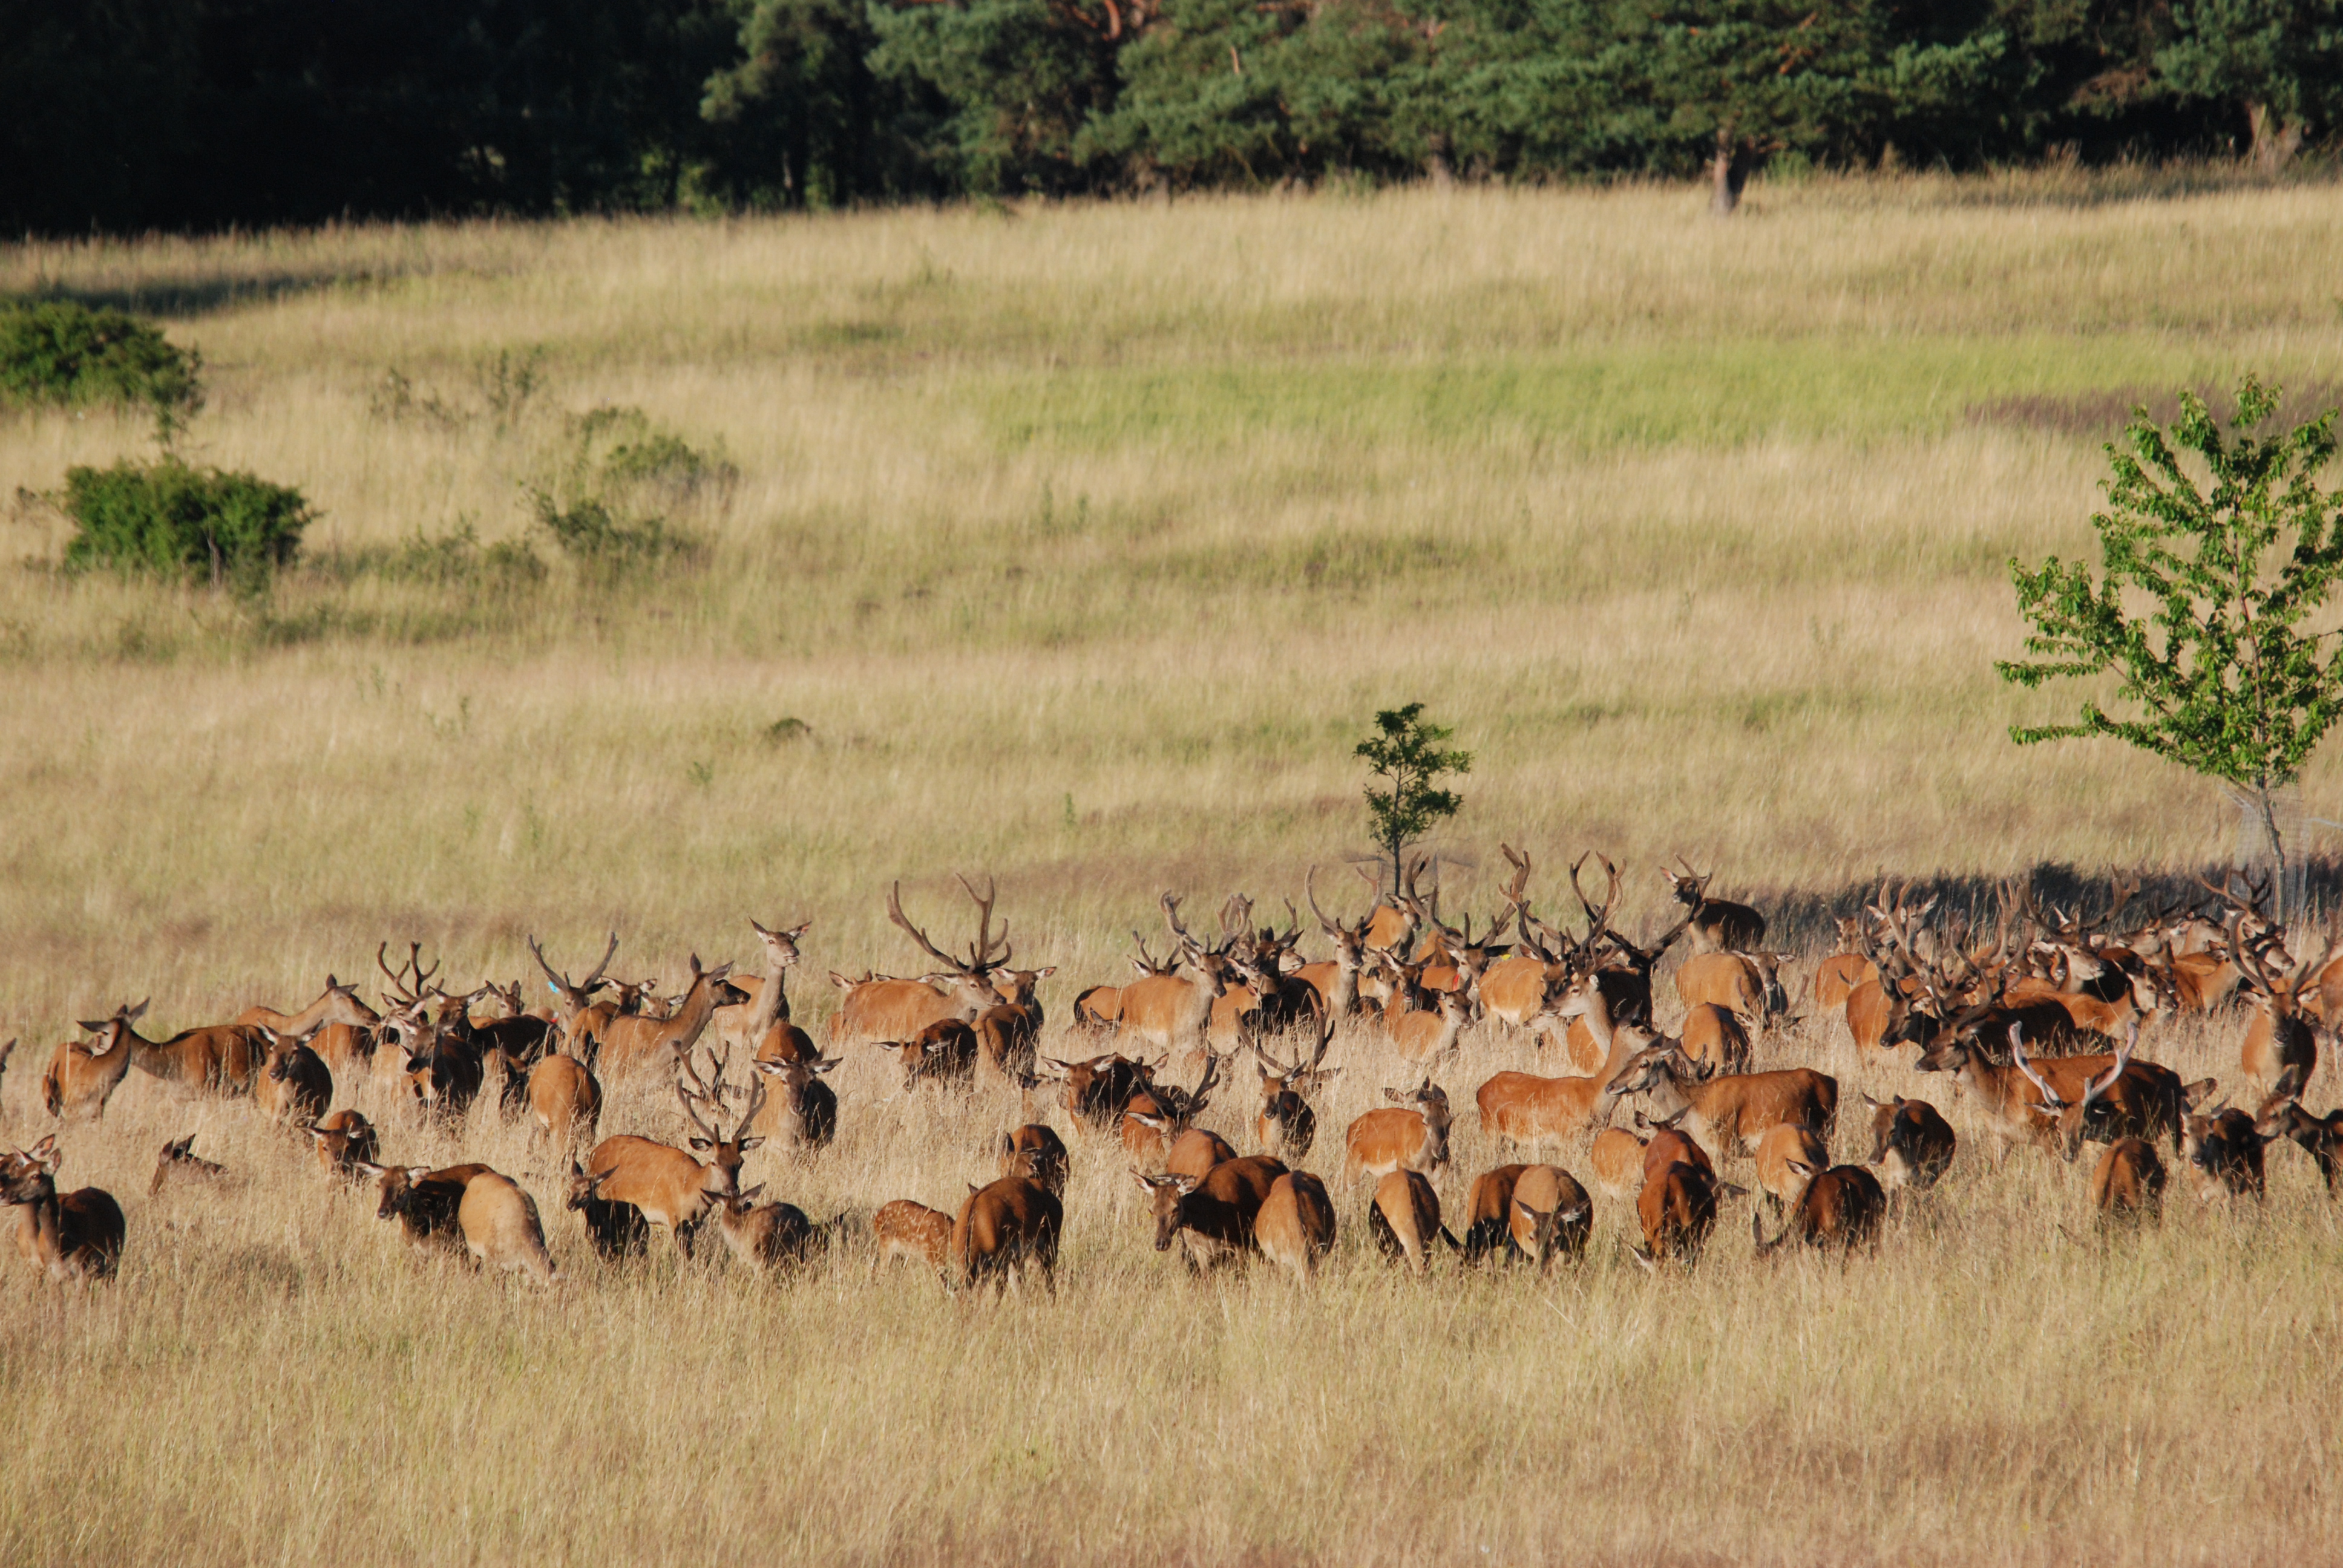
{"x":1669,"y":1144}
{"x":673,"y":1190}
{"x":1195,"y":1151}
{"x":344,"y":1141}
{"x":1006,"y":1033}
{"x":1787,"y":1158}
{"x":2129,"y":1180}
{"x":1731,"y":1112}
{"x":1286,"y":1126}
{"x":1002,"y":1229}
{"x":2281,"y":1046}
{"x":880,"y":1009}
{"x":617,"y":1230}
{"x":1911,"y":1143}
{"x":1717,"y":926}
{"x":445,"y":1070}
{"x":2224,"y":1155}
{"x":1530,"y":1112}
{"x":1404,"y":1220}
{"x":425,"y":1202}
{"x":632,"y":1040}
{"x":943,"y":1052}
{"x":294,"y":1086}
{"x":565,"y":1097}
{"x":2317,"y":1136}
{"x":2010,"y":1103}
{"x":339,"y":1004}
{"x":802,"y":1112}
{"x":1617,"y":1157}
{"x":1747,"y":985}
{"x":74,"y":1235}
{"x":1172,"y":1012}
{"x":500,"y":1230}
{"x":905,"y":1231}
{"x":1037,"y":1153}
{"x":1677,"y":1208}
{"x":1097,"y":1091}
{"x":1841,"y":1207}
{"x":1423,"y":1036}
{"x":752,"y":1025}
{"x":2129,"y":1100}
{"x":1713,"y":1037}
{"x":179,"y":1159}
{"x":1336,"y":980}
{"x":81,"y":1078}
{"x":1411,"y":1136}
{"x":1878,"y":1011}
{"x":768,"y":1236}
{"x":1159,"y":1113}
{"x":581,"y":1018}
{"x":1550,"y":1213}
{"x":1211,"y":1214}
{"x":1295,"y":1227}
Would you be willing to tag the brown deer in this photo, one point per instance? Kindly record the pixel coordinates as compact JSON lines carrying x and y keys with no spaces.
{"x":944,"y":1052}
{"x":2280,"y":1051}
{"x":1294,"y":1229}
{"x":1412,"y":1135}
{"x":499,"y":1226}
{"x":344,"y":1141}
{"x":1005,"y":1229}
{"x":1171,"y":1012}
{"x":750,"y":1024}
{"x":905,"y":1231}
{"x":565,"y":1097}
{"x":81,"y":1078}
{"x":1677,"y":1210}
{"x":1159,"y":1113}
{"x":581,"y":1018}
{"x":673,"y":1188}
{"x":1532,"y":1112}
{"x":1335,"y":980}
{"x":1211,"y":1214}
{"x":2129,"y":1181}
{"x":1006,"y":1033}
{"x":2224,"y":1155}
{"x":801,"y":1115}
{"x":295,"y":1085}
{"x":1717,"y":926}
{"x":2317,"y":1136}
{"x":1404,"y":1220}
{"x":1285,"y":1127}
{"x":883,"y":1009}
{"x":617,"y":1230}
{"x":768,"y":1236}
{"x":1730,"y":1112}
{"x":1787,"y":1157}
{"x":426,"y":1203}
{"x":1912,"y":1145}
{"x":2130,"y":1098}
{"x":631,"y":1039}
{"x":1713,"y":1037}
{"x":1746,"y":985}
{"x":1617,"y":1157}
{"x":338,"y":1004}
{"x":1841,"y":1207}
{"x":75,"y":1235}
{"x":1037,"y":1153}
{"x":1550,"y":1214}
{"x":179,"y":1159}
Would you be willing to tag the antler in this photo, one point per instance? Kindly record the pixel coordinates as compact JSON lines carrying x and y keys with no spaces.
{"x":411,"y":970}
{"x":2017,"y":1054}
{"x":2123,"y":1060}
{"x":895,"y":914}
{"x":1597,"y":920}
{"x":980,"y":957}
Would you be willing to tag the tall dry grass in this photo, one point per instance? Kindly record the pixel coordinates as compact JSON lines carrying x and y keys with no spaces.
{"x":1081,"y":541}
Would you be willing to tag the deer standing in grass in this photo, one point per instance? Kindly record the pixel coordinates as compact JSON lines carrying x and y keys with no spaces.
{"x":880,"y":1008}
{"x":761,"y":1027}
{"x":673,"y":1190}
{"x":1294,"y":1229}
{"x":630,"y":1039}
{"x":1717,"y":925}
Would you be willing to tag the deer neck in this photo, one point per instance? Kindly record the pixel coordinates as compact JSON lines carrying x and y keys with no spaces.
{"x":772,"y":1004}
{"x":698,"y":1007}
{"x":153,"y":1058}
{"x":41,"y":1236}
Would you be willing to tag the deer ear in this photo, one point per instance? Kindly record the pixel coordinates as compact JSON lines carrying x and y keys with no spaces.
{"x":702,"y":1143}
{"x":1045,"y":971}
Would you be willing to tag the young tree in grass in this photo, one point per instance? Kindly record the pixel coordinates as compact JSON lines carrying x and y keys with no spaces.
{"x":1406,"y":755}
{"x":2209,"y":601}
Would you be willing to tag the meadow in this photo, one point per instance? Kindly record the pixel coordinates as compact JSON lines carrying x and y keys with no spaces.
{"x":1077,"y":544}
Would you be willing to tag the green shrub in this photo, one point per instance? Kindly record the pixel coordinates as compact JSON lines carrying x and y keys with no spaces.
{"x":170,"y":519}
{"x":607,"y":502}
{"x":57,"y":352}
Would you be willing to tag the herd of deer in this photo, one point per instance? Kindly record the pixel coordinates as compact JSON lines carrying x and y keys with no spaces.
{"x":2037,"y":1022}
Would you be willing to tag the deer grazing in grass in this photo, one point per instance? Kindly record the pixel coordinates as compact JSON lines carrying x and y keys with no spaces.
{"x":1411,"y":1135}
{"x":1841,"y":1207}
{"x":2129,"y":1181}
{"x":1285,"y":1127}
{"x":1912,"y":1145}
{"x":905,"y":1231}
{"x":1294,"y":1228}
{"x":1003,"y":1229}
{"x":1404,"y":1220}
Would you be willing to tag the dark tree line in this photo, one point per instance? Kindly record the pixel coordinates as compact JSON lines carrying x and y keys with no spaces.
{"x":125,"y":114}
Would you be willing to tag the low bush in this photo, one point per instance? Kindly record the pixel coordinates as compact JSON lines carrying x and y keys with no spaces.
{"x":174,"y":521}
{"x":67,"y":355}
{"x":607,"y":502}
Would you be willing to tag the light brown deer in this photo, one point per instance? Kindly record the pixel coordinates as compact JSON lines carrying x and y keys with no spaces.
{"x":1172,"y":1012}
{"x":1295,"y":1227}
{"x":751,"y":1025}
{"x":1286,"y":1126}
{"x":630,"y":1040}
{"x":179,"y":1159}
{"x":1731,"y":1112}
{"x":1677,"y":1210}
{"x":344,"y":1141}
{"x":74,"y":1235}
{"x":1410,"y":1136}
{"x":1787,"y":1157}
{"x":339,"y":1003}
{"x":802,"y":1112}
{"x":581,"y":1018}
{"x":565,"y":1097}
{"x":1747,"y":985}
{"x":672,"y":1189}
{"x":82,"y":1077}
{"x":499,"y":1226}
{"x":1617,"y":1157}
{"x":1335,"y":980}
{"x":769,"y":1236}
{"x":905,"y":1231}
{"x":1404,"y":1220}
{"x":295,"y":1085}
{"x":881,"y":1009}
{"x":1550,"y":1214}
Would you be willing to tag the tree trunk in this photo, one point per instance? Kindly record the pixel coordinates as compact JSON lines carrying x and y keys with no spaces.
{"x":2274,"y":141}
{"x":1725,"y":174}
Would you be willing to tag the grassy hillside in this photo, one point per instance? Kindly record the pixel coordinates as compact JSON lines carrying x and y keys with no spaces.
{"x":1078,"y":545}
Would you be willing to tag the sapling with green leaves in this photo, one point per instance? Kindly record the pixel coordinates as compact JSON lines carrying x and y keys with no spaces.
{"x":1406,"y":757}
{"x":2210,"y":603}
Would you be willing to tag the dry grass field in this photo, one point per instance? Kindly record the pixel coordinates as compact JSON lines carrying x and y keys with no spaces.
{"x":1080,"y":542}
